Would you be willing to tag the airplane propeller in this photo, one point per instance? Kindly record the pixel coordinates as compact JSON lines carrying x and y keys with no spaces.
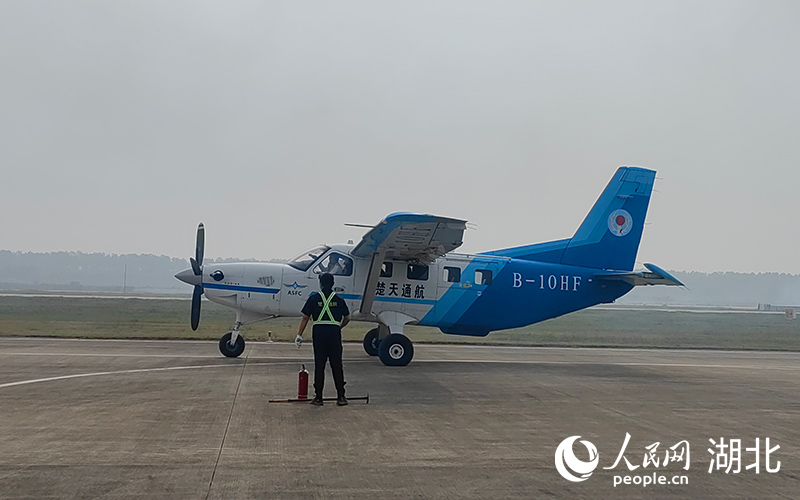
{"x":197,"y":268}
{"x":198,"y":291}
{"x":194,"y":276}
{"x":200,"y":246}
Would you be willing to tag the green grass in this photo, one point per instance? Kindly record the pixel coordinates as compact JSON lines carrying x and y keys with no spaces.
{"x":169,"y":319}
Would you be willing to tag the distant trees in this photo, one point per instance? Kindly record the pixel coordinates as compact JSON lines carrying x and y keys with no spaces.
{"x":155,"y":273}
{"x":723,"y":288}
{"x":95,"y":271}
{"x":91,"y":271}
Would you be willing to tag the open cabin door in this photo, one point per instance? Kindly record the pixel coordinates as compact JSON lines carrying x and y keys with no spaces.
{"x":341,"y":266}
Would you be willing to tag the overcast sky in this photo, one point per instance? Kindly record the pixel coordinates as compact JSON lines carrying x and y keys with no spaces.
{"x":124,"y":124}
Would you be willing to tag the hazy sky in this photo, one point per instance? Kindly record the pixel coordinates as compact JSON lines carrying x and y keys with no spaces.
{"x":124,"y":124}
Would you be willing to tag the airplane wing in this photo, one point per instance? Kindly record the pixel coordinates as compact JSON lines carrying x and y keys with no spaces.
{"x":654,"y":276}
{"x":413,"y":237}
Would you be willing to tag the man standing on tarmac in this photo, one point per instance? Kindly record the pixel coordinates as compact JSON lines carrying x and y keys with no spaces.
{"x":330,"y":314}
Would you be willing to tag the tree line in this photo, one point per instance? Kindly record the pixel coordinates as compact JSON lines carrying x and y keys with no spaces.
{"x":155,"y":273}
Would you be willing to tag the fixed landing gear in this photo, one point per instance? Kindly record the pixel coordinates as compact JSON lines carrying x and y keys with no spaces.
{"x":231,"y":344}
{"x":393,"y":349}
{"x":396,"y":350}
{"x":371,"y":342}
{"x":231,"y":349}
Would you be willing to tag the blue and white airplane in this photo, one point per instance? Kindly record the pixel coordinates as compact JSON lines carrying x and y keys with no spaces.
{"x":405,"y":271}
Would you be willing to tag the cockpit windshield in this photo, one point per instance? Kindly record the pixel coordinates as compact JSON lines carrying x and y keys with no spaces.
{"x":303,"y":261}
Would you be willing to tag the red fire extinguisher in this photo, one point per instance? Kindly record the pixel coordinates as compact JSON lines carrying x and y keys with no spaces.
{"x":302,"y":383}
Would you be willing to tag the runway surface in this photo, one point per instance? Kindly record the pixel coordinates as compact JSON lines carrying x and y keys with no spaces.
{"x":174,"y":419}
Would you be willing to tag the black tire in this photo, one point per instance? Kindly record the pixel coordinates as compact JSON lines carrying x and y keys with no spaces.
{"x":231,"y":351}
{"x":371,"y":342}
{"x":396,"y":350}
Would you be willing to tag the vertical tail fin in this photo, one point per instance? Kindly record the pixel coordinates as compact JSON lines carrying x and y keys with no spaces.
{"x":610,"y":234}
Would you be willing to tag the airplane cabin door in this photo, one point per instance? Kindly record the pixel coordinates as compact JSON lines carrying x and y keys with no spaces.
{"x":461,"y":283}
{"x":452,"y":288}
{"x":341,"y":267}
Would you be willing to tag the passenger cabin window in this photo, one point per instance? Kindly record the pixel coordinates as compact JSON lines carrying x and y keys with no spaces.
{"x":417,"y":272}
{"x":483,"y":277}
{"x":386,"y":270}
{"x":452,"y":274}
{"x":335,"y":264}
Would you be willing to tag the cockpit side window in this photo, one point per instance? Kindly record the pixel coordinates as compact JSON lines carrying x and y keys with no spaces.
{"x":335,"y":263}
{"x":303,"y":261}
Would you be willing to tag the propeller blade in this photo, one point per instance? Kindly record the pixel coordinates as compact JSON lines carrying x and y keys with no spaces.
{"x":196,"y":307}
{"x":201,"y":244}
{"x":196,"y":269}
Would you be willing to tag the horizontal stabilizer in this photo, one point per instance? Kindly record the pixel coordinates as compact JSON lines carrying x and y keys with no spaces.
{"x":653,"y":276}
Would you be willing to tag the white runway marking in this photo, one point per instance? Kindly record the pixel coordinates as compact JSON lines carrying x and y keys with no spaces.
{"x":97,"y":374}
{"x":149,"y":370}
{"x":604,"y":363}
{"x":787,"y":361}
{"x":108,"y":355}
{"x":117,"y":355}
{"x":485,"y":361}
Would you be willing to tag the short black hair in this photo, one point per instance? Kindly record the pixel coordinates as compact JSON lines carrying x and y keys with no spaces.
{"x":326,"y":280}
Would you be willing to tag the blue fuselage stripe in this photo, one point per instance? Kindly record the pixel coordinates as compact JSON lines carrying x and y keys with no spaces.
{"x":237,"y":288}
{"x":346,"y":296}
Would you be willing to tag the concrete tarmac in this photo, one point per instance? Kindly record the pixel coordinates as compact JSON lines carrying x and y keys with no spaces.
{"x":174,"y":419}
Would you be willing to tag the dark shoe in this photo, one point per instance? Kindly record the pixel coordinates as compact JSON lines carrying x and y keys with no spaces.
{"x":341,"y":401}
{"x":317,"y":401}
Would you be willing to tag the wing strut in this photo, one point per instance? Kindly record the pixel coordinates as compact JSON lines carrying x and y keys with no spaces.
{"x":368,"y":298}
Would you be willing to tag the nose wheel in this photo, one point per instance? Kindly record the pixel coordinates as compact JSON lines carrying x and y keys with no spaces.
{"x":230,"y":347}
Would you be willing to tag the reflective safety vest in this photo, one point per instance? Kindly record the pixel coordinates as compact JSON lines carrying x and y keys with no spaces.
{"x":326,"y":316}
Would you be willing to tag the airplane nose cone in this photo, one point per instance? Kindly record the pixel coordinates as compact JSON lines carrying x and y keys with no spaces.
{"x":188,"y":276}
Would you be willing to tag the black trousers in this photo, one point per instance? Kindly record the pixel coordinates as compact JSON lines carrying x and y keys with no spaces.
{"x":328,"y":347}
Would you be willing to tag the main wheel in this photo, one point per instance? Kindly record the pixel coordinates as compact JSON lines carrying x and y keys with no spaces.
{"x":231,"y":351}
{"x":396,"y":350}
{"x":371,"y":342}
